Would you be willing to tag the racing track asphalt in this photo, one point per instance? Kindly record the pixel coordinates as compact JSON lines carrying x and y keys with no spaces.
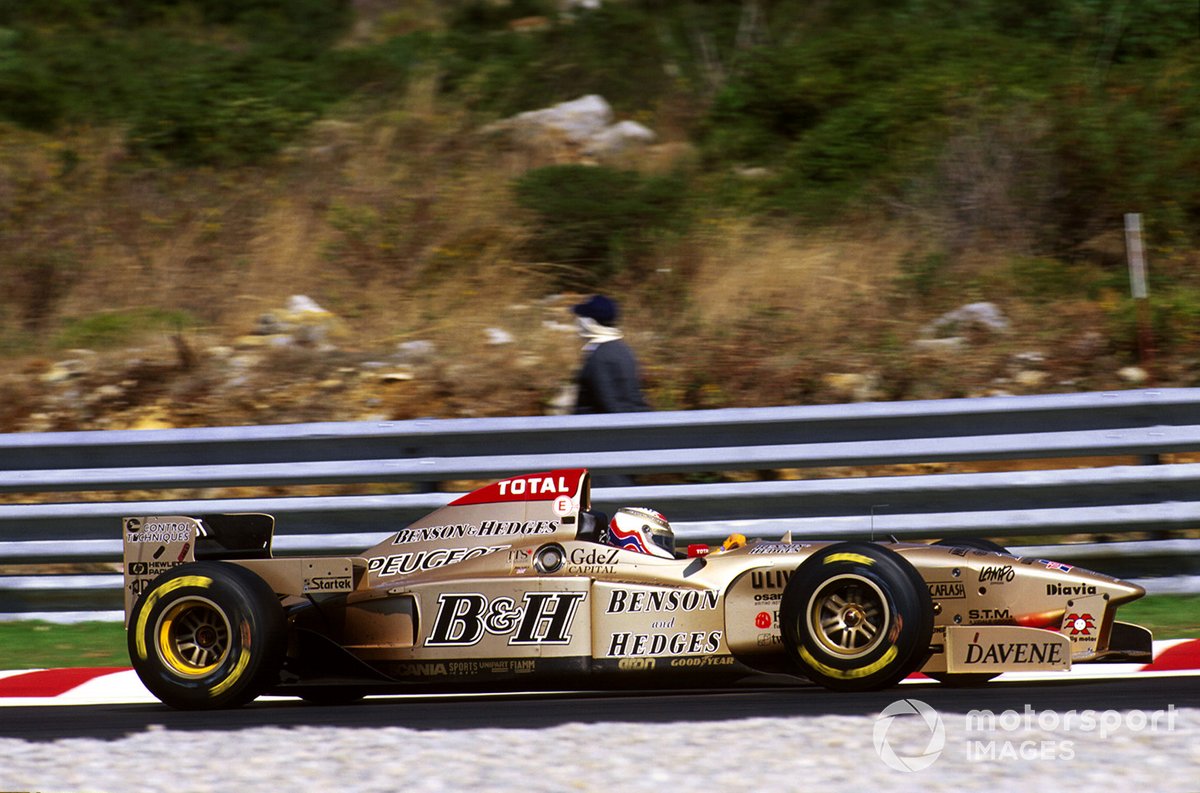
{"x":526,"y":711}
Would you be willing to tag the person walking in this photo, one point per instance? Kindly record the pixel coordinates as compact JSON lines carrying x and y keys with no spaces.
{"x":608,"y":380}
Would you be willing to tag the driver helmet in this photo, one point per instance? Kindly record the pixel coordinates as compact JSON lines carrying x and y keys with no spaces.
{"x":642,"y":530}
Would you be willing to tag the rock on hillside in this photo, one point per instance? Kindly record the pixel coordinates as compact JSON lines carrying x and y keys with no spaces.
{"x":298,"y":363}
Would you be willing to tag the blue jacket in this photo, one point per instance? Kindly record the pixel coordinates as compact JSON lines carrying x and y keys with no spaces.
{"x":609,"y":382}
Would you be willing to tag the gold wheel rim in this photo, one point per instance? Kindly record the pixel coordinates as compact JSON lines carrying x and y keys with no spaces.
{"x":848,"y":616}
{"x":193,"y":637}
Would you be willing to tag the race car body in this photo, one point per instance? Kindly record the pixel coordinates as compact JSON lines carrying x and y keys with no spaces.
{"x":511,"y":587}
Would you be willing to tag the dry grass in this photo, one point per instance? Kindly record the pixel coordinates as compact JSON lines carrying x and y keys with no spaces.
{"x":826,"y":282}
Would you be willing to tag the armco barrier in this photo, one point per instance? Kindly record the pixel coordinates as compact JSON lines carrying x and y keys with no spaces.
{"x":1131,"y":486}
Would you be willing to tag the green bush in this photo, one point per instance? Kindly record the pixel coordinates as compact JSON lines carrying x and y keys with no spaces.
{"x":1132,"y":144}
{"x":598,"y":220}
{"x":634,"y":55}
{"x":224,"y":110}
{"x":1170,"y":316}
{"x":861,"y":98}
{"x":180,"y":95}
{"x":484,"y":16}
{"x":26,"y":95}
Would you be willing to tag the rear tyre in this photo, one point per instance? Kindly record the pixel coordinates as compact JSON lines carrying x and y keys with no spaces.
{"x":856,"y":617}
{"x":207,"y":635}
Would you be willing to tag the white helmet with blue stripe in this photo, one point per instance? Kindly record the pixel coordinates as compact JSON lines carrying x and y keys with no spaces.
{"x":642,"y":530}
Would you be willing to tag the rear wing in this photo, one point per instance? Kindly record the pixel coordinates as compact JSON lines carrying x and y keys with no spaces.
{"x":152,"y":545}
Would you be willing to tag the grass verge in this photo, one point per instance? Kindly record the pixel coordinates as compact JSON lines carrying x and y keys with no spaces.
{"x":41,"y":645}
{"x":1167,"y":616}
{"x":44,"y":645}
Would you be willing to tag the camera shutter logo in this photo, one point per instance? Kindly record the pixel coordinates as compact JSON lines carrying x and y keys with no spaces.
{"x":933,"y":723}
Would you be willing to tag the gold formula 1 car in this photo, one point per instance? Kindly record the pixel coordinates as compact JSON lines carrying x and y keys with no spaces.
{"x":521,"y":586}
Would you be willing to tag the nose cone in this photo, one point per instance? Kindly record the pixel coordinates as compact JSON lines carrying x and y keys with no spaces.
{"x":1123,"y":591}
{"x":1117,"y":590}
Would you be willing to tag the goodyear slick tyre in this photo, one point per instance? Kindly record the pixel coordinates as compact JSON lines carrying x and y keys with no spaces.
{"x":207,"y":635}
{"x":856,"y":617}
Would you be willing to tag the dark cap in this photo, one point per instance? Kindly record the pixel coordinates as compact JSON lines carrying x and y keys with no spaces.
{"x":599,"y":308}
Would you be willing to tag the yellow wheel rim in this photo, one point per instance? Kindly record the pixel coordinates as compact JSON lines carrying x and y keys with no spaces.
{"x":193,"y":637}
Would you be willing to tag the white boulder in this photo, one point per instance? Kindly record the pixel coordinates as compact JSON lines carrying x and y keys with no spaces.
{"x":583,"y":126}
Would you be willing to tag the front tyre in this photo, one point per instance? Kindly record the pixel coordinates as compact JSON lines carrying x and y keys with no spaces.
{"x":856,"y":617}
{"x":207,"y":635}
